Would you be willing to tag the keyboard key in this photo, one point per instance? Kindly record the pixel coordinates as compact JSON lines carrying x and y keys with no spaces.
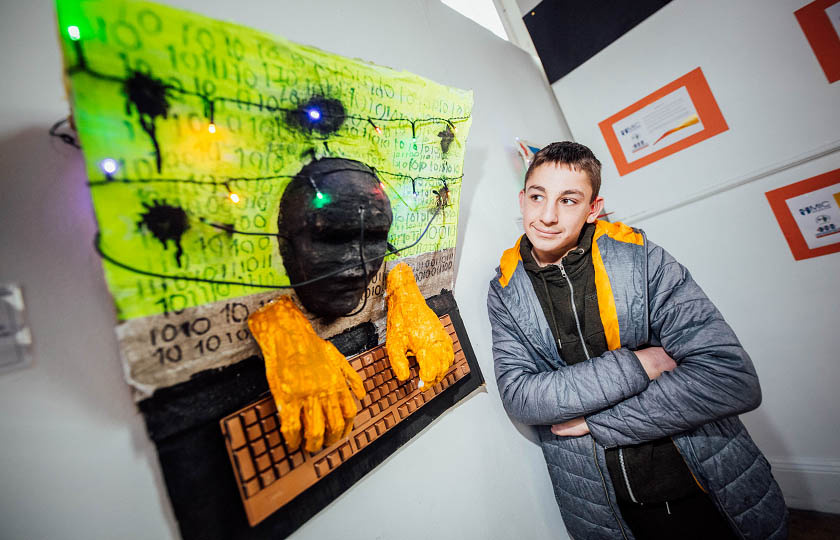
{"x":254,"y":432}
{"x":297,"y":459}
{"x":345,"y":452}
{"x":259,"y":447}
{"x":249,"y":417}
{"x":321,"y":468}
{"x":282,"y":468}
{"x":273,"y":439}
{"x":269,"y":424}
{"x":235,"y":432}
{"x":268,"y":477}
{"x":263,"y":462}
{"x":278,"y":455}
{"x":361,"y":440}
{"x":246,"y":466}
{"x":266,"y":408}
{"x":252,"y":487}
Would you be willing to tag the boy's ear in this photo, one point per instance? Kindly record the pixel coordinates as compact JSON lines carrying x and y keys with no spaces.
{"x":522,"y":201}
{"x":595,"y":209}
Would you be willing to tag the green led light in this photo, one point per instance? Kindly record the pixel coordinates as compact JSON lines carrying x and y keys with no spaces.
{"x":74,"y":33}
{"x":321,"y":200}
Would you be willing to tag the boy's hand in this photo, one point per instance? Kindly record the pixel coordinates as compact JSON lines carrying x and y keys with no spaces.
{"x":655,"y":361}
{"x":571,"y":428}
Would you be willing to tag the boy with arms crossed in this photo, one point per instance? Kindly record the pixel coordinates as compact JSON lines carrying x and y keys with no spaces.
{"x":634,"y":381}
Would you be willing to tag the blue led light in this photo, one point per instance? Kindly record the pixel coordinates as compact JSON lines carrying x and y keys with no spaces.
{"x":109,"y":166}
{"x":314,"y":114}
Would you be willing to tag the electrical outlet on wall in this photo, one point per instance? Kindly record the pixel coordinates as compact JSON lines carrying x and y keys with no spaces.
{"x":15,"y":337}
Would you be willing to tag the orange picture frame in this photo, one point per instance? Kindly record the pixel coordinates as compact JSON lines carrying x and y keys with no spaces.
{"x":704,"y":102}
{"x":793,"y":234}
{"x":822,"y":36}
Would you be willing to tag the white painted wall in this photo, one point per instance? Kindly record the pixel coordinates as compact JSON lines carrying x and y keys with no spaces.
{"x":75,"y":461}
{"x":781,"y":111}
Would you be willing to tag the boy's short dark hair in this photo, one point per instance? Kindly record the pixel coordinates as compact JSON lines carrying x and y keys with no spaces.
{"x":576,"y":156}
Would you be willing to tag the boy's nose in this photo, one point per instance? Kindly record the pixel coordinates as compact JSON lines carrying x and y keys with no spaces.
{"x":549,"y":214}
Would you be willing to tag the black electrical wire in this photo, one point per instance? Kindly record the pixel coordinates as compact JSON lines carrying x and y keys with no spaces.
{"x":66,"y":138}
{"x":97,"y":245}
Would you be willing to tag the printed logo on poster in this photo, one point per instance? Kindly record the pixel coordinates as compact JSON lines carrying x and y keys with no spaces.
{"x":820,"y":206}
{"x":809,"y":214}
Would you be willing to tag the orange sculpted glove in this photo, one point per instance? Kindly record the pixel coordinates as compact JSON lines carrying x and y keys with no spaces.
{"x":305,"y":373}
{"x":413,"y":326}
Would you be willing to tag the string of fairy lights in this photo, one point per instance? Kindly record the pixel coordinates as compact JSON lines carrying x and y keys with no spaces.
{"x":313,"y":112}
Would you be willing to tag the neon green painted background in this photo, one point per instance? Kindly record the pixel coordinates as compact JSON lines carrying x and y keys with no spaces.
{"x":214,"y":58}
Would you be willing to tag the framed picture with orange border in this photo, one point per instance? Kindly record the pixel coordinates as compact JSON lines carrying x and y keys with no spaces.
{"x":809,"y":214}
{"x":678,"y":115}
{"x":820,"y":20}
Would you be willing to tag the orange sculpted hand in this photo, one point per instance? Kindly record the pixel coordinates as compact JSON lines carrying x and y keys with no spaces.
{"x":413,"y":327}
{"x":307,"y":375}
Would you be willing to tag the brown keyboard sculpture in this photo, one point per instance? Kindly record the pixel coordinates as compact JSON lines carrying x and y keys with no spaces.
{"x":269,"y":476}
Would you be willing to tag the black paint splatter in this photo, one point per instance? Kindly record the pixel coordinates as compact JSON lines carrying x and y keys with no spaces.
{"x":149,"y":98}
{"x":331,"y":115}
{"x":446,"y":138}
{"x":165,"y":222}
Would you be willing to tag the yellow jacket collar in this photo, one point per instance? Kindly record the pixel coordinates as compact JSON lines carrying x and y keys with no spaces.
{"x":617,"y":231}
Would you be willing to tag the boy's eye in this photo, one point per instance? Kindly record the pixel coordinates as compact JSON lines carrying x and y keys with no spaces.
{"x":568,"y":201}
{"x":536,"y":198}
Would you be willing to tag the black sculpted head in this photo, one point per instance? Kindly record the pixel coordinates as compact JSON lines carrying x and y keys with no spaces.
{"x":320,"y":226}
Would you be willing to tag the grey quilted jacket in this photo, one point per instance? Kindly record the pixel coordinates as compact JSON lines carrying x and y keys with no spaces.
{"x":645,"y":298}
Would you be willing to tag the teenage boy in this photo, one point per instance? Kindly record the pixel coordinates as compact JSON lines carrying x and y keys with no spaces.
{"x":634,"y":381}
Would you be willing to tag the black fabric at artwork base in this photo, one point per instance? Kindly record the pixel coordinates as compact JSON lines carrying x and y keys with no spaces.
{"x":183,"y":421}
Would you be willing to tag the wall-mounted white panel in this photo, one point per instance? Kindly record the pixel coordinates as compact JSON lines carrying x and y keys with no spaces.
{"x":761,"y":70}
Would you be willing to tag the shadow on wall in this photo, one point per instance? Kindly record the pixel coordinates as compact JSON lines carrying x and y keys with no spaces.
{"x":474,"y":162}
{"x":47,"y":220}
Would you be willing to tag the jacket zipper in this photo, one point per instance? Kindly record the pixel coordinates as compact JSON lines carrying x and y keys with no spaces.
{"x":624,"y":474}
{"x":574,"y":309}
{"x":604,"y":483}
